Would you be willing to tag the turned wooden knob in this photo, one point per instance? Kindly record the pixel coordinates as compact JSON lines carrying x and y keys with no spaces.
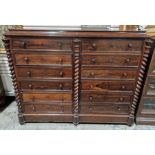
{"x":61,"y":86}
{"x":92,"y":74}
{"x":94,"y":46}
{"x":91,"y":98}
{"x":26,"y":59}
{"x":60,"y":45}
{"x":24,"y":44}
{"x":121,"y":99}
{"x":118,"y":108}
{"x":61,"y":74}
{"x":93,"y":60}
{"x":28,"y":74}
{"x":127,"y":60}
{"x":30,"y":86}
{"x":60,"y":61}
{"x":123,"y":87}
{"x":129,"y":45}
{"x":125,"y":74}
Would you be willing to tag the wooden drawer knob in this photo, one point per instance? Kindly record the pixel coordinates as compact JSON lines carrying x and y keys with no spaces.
{"x":28,"y":74}
{"x":130,"y":45}
{"x":125,"y":74}
{"x":26,"y":59}
{"x":60,"y":61}
{"x":61,"y":86}
{"x":30,"y":86}
{"x":24,"y":44}
{"x":94,"y":46}
{"x":60,"y":45}
{"x":93,"y":60}
{"x":123,"y":87}
{"x":118,"y":108}
{"x":121,"y":99}
{"x":91,"y":98}
{"x":61,"y":74}
{"x":127,"y":60}
{"x":92,"y":74}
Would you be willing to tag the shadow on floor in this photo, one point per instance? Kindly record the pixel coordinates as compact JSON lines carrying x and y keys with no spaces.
{"x":9,"y":100}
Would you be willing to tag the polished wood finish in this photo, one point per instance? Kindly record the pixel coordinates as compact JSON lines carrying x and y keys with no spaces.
{"x":77,"y":76}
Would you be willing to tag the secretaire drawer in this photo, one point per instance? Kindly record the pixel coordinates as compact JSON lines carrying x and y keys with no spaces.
{"x":111,"y":85}
{"x":112,"y":45}
{"x":105,"y":97}
{"x":46,"y":85}
{"x":44,"y":72}
{"x":109,"y":73}
{"x":43,"y":43}
{"x":46,"y":96}
{"x":46,"y":108}
{"x":43,"y":59}
{"x":105,"y":109}
{"x":113,"y":59}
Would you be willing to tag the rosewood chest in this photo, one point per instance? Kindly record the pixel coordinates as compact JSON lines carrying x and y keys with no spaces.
{"x":77,"y":76}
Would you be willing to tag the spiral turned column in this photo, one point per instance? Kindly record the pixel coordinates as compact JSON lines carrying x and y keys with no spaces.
{"x":76,"y":79}
{"x":14,"y":80}
{"x":140,"y":79}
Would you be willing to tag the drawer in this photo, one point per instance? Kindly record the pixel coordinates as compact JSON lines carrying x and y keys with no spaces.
{"x":46,"y":96}
{"x":103,"y":85}
{"x":93,"y":97}
{"x":46,"y":108}
{"x":44,"y":72}
{"x":105,"y":109}
{"x":111,"y":59}
{"x":112,"y":45}
{"x":43,"y":43}
{"x":46,"y":85}
{"x":108,"y":73}
{"x":43,"y":59}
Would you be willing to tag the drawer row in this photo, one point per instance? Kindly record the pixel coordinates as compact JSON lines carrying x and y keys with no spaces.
{"x":120,"y":59}
{"x":86,"y":44}
{"x":66,"y":72}
{"x":66,"y":85}
{"x":85,"y":98}
{"x":114,"y":108}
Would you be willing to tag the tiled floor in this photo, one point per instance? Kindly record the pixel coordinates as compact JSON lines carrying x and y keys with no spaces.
{"x":9,"y":121}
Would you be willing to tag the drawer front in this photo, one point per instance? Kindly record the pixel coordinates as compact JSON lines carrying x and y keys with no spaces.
{"x":46,"y":72}
{"x":102,"y":85}
{"x":46,"y":85}
{"x":43,"y":59}
{"x":50,"y":97}
{"x":46,"y":109}
{"x":105,"y":109}
{"x":109,"y":73}
{"x":111,"y":60}
{"x":104,"y":97}
{"x":52,"y":44}
{"x":111,"y":45}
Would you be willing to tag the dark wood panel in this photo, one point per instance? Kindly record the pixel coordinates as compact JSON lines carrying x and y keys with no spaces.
{"x":105,"y":85}
{"x":105,"y":97}
{"x":44,"y":96}
{"x":46,"y":85}
{"x":43,"y":59}
{"x":51,"y":43}
{"x":46,"y":109}
{"x":111,"y":45}
{"x":108,"y":73}
{"x":42,"y":72}
{"x":111,"y":60}
{"x":105,"y":109}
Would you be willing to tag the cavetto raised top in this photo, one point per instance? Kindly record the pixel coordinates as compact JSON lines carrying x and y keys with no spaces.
{"x":77,"y":33}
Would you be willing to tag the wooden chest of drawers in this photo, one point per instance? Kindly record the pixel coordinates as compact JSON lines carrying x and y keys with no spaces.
{"x":77,"y":76}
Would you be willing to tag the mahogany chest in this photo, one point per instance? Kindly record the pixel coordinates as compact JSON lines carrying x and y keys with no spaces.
{"x":77,"y":76}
